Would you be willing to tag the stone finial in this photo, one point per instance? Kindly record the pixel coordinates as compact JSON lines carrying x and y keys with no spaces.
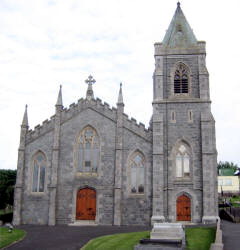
{"x":90,"y":81}
{"x":178,"y":4}
{"x":120,"y":96}
{"x":25,"y":118}
{"x":59,"y":99}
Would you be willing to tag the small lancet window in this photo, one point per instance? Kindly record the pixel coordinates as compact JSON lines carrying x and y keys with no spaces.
{"x":182,"y":162}
{"x":173,"y":116}
{"x":137,"y":173}
{"x":88,"y":151}
{"x":190,"y":116}
{"x":181,"y":80}
{"x":39,"y":168}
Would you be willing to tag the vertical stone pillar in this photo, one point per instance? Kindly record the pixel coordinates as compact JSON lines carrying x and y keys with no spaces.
{"x":20,"y":172}
{"x":209,"y":168}
{"x":55,"y":163}
{"x":158,"y":78}
{"x":158,"y":168}
{"x":203,"y":78}
{"x":118,"y":161}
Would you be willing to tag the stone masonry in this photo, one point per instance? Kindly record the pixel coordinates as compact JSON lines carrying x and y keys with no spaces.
{"x":183,"y":118}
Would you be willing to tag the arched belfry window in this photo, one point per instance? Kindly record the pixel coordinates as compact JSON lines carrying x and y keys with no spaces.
{"x":182,"y":161}
{"x":136,"y":165}
{"x":181,"y":79}
{"x":39,"y":169}
{"x":88,"y":150}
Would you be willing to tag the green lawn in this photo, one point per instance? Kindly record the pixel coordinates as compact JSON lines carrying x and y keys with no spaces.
{"x":235,"y":201}
{"x":7,"y":238}
{"x":197,"y":239}
{"x":200,"y":238}
{"x":3,"y":211}
{"x":116,"y":241}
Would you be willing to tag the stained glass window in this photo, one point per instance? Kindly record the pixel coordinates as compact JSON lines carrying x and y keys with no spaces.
{"x":38,"y":176}
{"x":137,"y":173}
{"x":88,"y":150}
{"x":182,"y":162}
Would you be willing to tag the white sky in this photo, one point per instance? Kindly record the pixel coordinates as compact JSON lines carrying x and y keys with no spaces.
{"x":47,"y":43}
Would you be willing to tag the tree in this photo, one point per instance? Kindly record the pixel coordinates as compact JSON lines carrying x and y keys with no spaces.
{"x":226,"y":164}
{"x":7,"y":182}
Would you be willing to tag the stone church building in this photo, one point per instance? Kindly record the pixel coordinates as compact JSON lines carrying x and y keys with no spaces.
{"x":92,"y":163}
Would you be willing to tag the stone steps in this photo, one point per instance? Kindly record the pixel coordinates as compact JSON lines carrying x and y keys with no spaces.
{"x":83,"y":223}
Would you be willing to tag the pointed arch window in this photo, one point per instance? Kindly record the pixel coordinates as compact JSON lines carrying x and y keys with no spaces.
{"x":137,"y":169}
{"x":182,"y":161}
{"x":88,"y":150}
{"x":39,"y":169}
{"x":181,"y":80}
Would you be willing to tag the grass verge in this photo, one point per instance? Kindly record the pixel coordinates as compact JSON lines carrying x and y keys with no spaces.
{"x":197,"y":239}
{"x":7,"y":238}
{"x":125,"y":241}
{"x":200,"y":238}
{"x":3,"y":211}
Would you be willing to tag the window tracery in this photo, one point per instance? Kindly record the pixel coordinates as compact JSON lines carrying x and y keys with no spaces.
{"x":136,"y":165}
{"x":88,"y":150}
{"x":181,"y":80}
{"x":182,"y":162}
{"x":39,"y":169}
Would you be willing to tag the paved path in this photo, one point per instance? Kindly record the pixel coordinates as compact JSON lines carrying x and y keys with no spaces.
{"x":66,"y":237}
{"x":231,"y":235}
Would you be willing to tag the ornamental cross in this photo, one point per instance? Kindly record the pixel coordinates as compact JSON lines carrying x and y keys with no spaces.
{"x":90,"y":80}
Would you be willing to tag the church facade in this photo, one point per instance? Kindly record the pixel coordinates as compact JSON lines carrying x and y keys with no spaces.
{"x":92,"y":163}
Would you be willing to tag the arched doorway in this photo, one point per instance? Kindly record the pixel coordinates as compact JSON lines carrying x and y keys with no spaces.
{"x":86,"y":204}
{"x":183,"y":208}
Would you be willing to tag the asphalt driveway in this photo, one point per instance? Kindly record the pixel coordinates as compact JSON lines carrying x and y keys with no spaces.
{"x":66,"y":237}
{"x":231,"y":235}
{"x":74,"y":237}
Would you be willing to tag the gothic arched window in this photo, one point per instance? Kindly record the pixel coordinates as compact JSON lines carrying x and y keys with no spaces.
{"x":88,"y":150}
{"x":182,"y":161}
{"x":39,"y":169}
{"x":136,"y":165}
{"x":181,"y":80}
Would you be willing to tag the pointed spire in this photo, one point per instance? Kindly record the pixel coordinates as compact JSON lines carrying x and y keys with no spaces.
{"x":120,"y":95}
{"x":179,"y":32}
{"x":90,"y":81}
{"x":59,"y":99}
{"x":25,"y":118}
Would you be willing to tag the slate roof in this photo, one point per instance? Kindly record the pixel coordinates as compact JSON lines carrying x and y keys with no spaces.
{"x":179,"y":32}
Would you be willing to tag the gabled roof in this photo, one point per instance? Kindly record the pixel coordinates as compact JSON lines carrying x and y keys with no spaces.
{"x":179,"y":32}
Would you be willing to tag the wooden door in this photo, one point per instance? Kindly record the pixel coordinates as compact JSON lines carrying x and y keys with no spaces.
{"x":86,"y":204}
{"x":183,"y":208}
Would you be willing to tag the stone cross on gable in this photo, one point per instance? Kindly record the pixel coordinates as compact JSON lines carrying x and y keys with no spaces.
{"x":90,"y":80}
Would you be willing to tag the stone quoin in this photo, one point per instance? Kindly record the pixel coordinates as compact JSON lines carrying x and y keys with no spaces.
{"x":90,"y":162}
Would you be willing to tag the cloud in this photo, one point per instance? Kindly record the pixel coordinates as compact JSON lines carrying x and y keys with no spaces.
{"x":47,"y":43}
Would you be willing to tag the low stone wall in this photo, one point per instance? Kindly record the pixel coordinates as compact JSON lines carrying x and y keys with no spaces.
{"x":218,"y":244}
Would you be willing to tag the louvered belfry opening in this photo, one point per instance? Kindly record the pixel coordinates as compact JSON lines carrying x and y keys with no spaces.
{"x":181,"y":80}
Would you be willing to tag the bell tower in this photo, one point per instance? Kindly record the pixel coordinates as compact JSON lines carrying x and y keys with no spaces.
{"x":182,"y":119}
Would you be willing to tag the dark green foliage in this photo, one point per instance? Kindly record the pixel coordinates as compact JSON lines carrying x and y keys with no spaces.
{"x":7,"y":217}
{"x":7,"y":182}
{"x":226,"y":164}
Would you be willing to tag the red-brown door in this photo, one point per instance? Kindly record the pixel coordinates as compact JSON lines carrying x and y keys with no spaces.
{"x":183,"y":208}
{"x":86,"y":204}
